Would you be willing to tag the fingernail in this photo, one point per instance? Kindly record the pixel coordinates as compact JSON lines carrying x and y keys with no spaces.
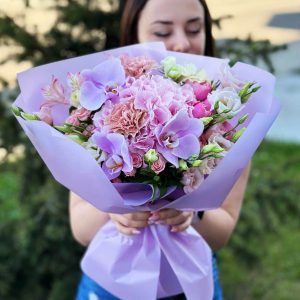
{"x":153,"y":218}
{"x":159,"y":222}
{"x":135,"y":231}
{"x":173,"y":229}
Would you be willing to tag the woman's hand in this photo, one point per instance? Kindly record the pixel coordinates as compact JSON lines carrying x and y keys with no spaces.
{"x":178,"y":220}
{"x":129,"y":223}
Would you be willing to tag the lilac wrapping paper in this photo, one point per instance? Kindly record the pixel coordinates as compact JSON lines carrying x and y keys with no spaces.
{"x":157,"y":261}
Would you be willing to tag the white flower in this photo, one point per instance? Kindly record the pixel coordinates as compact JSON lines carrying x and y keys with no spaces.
{"x":218,"y":139}
{"x":228,"y":99}
{"x":208,"y":164}
{"x":96,"y":152}
{"x":229,"y":80}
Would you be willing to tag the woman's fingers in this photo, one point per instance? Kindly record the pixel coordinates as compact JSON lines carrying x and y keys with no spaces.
{"x":184,"y":225}
{"x":126,"y":230}
{"x":129,"y":223}
{"x":166,"y":213}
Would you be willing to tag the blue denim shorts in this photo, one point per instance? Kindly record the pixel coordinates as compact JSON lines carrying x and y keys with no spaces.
{"x":88,"y":289}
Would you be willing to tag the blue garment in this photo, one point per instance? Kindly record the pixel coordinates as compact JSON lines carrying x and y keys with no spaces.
{"x":90,"y":290}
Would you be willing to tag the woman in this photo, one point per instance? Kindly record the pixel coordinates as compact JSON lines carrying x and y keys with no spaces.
{"x":183,"y":26}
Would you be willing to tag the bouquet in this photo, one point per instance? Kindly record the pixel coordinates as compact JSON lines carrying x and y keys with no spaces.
{"x":148,"y":129}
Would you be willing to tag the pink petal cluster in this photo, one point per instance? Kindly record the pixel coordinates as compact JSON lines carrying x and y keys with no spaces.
{"x":159,"y":165}
{"x":77,"y":115}
{"x":137,"y":66}
{"x":124,"y":107}
{"x":126,"y":119}
{"x":191,"y":179}
{"x":55,"y":93}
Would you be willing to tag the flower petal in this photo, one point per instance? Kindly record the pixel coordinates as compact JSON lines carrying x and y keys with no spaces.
{"x":91,"y":97}
{"x":168,"y":156}
{"x":188,"y":145}
{"x":108,"y":70}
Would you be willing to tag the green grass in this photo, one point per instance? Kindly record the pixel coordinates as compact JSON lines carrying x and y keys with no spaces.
{"x":262,"y":260}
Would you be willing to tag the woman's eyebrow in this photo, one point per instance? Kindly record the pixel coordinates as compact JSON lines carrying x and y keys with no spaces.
{"x":162,"y":22}
{"x":196,"y":19}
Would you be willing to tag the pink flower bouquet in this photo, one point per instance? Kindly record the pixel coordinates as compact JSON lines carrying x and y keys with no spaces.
{"x":140,"y":128}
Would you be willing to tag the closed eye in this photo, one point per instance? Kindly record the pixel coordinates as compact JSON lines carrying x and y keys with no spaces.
{"x":162,"y":34}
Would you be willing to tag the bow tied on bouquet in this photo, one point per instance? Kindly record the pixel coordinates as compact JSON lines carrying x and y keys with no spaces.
{"x":141,"y":128}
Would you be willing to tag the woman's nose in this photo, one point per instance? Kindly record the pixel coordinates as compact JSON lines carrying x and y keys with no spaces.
{"x":181,"y":42}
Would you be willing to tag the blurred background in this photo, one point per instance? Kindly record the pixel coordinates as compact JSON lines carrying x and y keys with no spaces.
{"x":38,"y":257}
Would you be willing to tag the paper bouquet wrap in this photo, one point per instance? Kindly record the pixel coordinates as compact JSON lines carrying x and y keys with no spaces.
{"x":155,"y":263}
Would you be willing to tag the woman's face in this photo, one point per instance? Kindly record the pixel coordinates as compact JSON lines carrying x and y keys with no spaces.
{"x":178,"y":23}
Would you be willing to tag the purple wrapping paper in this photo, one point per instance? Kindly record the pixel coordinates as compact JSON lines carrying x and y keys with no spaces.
{"x":157,"y":261}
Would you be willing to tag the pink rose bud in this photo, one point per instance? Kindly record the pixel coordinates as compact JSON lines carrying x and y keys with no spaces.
{"x":45,"y":115}
{"x":201,"y":90}
{"x":137,"y":160}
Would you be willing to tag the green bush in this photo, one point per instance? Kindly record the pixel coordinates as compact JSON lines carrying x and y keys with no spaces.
{"x":262,"y":260}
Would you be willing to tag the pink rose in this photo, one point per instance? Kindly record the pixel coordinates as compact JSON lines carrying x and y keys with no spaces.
{"x":191,"y":180}
{"x":89,"y":130}
{"x":77,"y":115}
{"x":159,"y":165}
{"x":137,"y":160}
{"x":131,"y":173}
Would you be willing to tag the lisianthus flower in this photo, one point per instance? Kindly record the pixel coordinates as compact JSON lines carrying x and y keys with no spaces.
{"x":179,"y":137}
{"x":100,"y":82}
{"x":118,"y":158}
{"x":229,"y":80}
{"x":191,"y":179}
{"x":228,"y":99}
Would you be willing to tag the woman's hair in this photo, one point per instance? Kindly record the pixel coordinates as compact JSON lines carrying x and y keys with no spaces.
{"x":130,"y":18}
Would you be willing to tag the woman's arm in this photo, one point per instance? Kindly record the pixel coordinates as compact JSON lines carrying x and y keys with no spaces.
{"x":217,"y":225}
{"x":85,"y":219}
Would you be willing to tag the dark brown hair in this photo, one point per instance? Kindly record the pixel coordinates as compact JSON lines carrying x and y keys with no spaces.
{"x":130,"y":17}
